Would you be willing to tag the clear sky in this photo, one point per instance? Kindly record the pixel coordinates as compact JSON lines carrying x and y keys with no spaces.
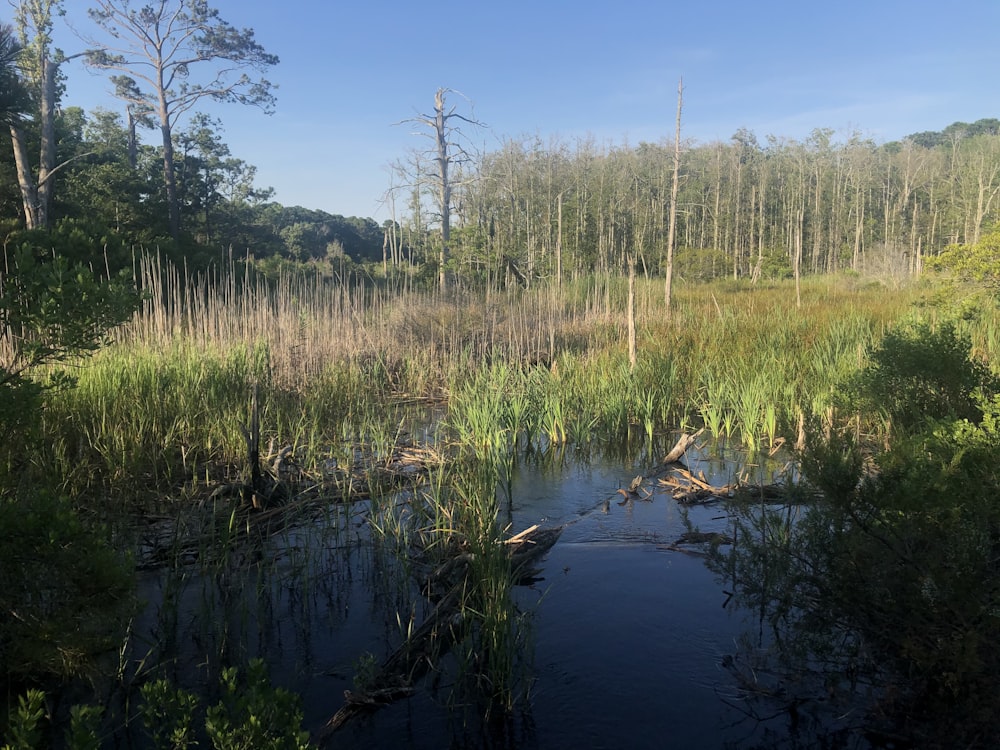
{"x":351,"y":70}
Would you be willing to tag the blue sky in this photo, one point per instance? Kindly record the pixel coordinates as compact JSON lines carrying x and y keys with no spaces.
{"x":350,"y":71}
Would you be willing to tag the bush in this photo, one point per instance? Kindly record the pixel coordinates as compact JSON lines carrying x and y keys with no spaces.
{"x":252,"y":715}
{"x":65,"y":595}
{"x":976,"y":262}
{"x":920,"y":374}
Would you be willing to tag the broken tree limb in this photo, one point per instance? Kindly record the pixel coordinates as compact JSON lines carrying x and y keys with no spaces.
{"x":684,"y":442}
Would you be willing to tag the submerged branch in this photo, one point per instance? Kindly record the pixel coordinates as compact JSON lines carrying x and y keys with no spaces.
{"x":440,"y":630}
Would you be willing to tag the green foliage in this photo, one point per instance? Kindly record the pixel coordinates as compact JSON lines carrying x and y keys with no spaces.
{"x":65,"y":594}
{"x":84,"y":722}
{"x":775,"y":264}
{"x":51,"y":311}
{"x":700,"y":264}
{"x":168,"y":713}
{"x":979,"y":261}
{"x":921,"y":373}
{"x":254,"y":715}
{"x":56,"y":309}
{"x":894,"y":574}
{"x":25,"y":731}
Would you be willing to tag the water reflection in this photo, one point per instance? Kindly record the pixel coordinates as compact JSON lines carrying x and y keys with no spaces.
{"x":626,"y":640}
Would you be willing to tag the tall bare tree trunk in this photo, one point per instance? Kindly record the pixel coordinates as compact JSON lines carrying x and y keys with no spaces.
{"x":559,"y":232}
{"x":444,"y":184}
{"x":798,"y":257}
{"x":25,"y":180}
{"x":36,"y":193}
{"x":631,"y":313}
{"x":47,"y":161}
{"x":672,"y":229}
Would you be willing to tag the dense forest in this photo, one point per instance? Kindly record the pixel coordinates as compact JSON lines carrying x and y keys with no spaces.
{"x":743,"y":207}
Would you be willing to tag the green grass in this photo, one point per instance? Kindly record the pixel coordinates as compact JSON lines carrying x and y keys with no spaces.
{"x":166,"y":403}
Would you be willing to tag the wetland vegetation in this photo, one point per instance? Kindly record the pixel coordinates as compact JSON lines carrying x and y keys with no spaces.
{"x":271,"y":477}
{"x":390,"y":424}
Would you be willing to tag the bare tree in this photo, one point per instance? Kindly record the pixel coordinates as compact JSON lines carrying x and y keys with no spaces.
{"x":39,"y":64}
{"x":156,"y":50}
{"x":672,"y":230}
{"x":449,"y":151}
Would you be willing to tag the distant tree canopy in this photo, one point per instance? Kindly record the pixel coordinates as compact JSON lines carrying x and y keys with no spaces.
{"x":310,"y":235}
{"x":955,"y":132}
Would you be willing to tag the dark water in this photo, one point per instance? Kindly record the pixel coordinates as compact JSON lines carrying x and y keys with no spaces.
{"x":625,"y":639}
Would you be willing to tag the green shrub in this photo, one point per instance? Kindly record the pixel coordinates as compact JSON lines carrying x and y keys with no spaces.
{"x":893,"y":576}
{"x":254,"y":715}
{"x":978,"y":261}
{"x":920,"y":374}
{"x":65,"y":595}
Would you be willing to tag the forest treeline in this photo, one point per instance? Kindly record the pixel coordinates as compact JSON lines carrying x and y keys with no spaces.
{"x":118,"y":200}
{"x":525,"y":210}
{"x":743,"y":207}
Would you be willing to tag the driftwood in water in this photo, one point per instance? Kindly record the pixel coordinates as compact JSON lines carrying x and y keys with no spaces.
{"x":688,"y":489}
{"x":398,"y":673}
{"x":404,"y":666}
{"x":684,"y":442}
{"x":526,"y":548}
{"x":695,"y":542}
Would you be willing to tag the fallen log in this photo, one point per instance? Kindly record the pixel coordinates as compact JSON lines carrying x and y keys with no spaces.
{"x":396,"y":676}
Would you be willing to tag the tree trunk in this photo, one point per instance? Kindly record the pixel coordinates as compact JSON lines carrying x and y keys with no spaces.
{"x":170,"y":181}
{"x":631,"y":313}
{"x":559,"y":232}
{"x":444,"y":184}
{"x":672,"y":230}
{"x":47,"y":159}
{"x":25,"y":180}
{"x":133,"y":144}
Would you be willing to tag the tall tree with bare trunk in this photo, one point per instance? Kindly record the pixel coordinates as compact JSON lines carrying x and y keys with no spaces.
{"x":449,"y":151}
{"x":156,"y":51}
{"x":672,"y":230}
{"x":39,"y":64}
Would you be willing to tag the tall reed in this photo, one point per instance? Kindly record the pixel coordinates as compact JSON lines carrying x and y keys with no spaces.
{"x":332,"y":357}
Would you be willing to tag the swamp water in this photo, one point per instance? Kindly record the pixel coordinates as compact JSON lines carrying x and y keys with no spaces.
{"x":624,"y":639}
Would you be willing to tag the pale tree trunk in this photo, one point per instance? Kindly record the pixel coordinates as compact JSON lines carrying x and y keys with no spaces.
{"x":25,"y":180}
{"x":36,"y":194}
{"x":559,"y":232}
{"x":47,"y":159}
{"x":444,"y":184}
{"x":631,"y":313}
{"x":798,"y":257}
{"x":672,"y":228}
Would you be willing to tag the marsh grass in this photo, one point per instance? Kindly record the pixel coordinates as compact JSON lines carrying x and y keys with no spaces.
{"x":166,"y":403}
